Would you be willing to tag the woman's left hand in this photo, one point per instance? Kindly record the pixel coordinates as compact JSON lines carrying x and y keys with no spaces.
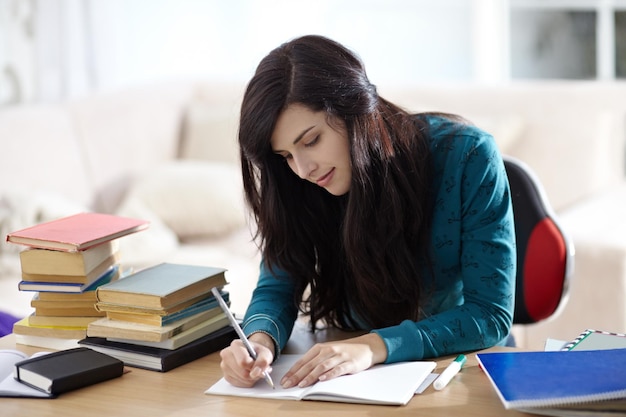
{"x":329,"y":360}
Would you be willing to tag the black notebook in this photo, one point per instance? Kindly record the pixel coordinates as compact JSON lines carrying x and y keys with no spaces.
{"x":66,"y":370}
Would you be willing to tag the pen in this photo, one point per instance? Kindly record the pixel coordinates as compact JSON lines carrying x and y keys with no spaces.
{"x":449,"y":372}
{"x":237,"y":328}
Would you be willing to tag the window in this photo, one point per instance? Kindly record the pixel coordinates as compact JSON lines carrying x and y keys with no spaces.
{"x":568,"y":39}
{"x":620,"y":44}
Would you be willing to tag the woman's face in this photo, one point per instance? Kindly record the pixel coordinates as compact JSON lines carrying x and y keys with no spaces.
{"x":314,"y":150}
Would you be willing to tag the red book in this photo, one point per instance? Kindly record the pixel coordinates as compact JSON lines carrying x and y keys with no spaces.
{"x":78,"y":232}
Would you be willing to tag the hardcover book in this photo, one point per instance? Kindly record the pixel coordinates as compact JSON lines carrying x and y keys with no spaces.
{"x":54,"y":262}
{"x":78,"y":232}
{"x":557,"y":381}
{"x":162,"y":360}
{"x":68,"y":311}
{"x":161,"y":311}
{"x":162,"y":285}
{"x":158,"y":318}
{"x":23,"y":327}
{"x":36,"y":301}
{"x":47,"y":342}
{"x":111,"y":275}
{"x":63,"y":321}
{"x":66,"y":370}
{"x":86,"y":279}
{"x":120,"y":329}
{"x":185,"y":337}
{"x":87,"y":311}
{"x":87,"y":295}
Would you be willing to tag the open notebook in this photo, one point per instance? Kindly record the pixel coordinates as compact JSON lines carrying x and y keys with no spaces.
{"x":9,"y":386}
{"x":392,"y":384}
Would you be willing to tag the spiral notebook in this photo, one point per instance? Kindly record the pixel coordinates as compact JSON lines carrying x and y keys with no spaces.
{"x":552,"y":382}
{"x":592,"y":339}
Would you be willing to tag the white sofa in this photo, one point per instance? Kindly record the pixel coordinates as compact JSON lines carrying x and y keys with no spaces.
{"x":168,"y":153}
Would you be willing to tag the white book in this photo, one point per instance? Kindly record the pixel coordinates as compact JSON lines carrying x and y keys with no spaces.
{"x":53,"y":343}
{"x":388,"y":384}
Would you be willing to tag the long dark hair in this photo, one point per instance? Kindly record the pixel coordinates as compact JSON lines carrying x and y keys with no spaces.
{"x":362,"y":254}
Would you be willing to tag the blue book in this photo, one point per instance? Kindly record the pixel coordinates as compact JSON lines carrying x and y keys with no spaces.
{"x":574,"y":380}
{"x":71,"y":287}
{"x":162,"y":286}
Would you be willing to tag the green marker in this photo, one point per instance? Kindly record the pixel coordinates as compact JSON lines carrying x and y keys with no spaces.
{"x":447,"y":375}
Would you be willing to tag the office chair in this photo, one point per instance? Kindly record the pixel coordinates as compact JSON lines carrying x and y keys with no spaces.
{"x":545,"y":254}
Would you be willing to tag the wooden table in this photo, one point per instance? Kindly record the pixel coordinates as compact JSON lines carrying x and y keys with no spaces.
{"x":180,"y":392}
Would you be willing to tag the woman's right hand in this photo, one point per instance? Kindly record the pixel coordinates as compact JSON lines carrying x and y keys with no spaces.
{"x":237,"y":365}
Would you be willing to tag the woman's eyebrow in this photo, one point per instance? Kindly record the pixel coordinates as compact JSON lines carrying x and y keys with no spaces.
{"x":297,"y":139}
{"x":301,"y":135}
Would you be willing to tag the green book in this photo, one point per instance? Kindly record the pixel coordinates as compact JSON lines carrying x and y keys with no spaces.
{"x":162,"y":285}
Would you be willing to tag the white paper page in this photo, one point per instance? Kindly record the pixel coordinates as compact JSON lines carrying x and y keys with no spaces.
{"x":552,"y":345}
{"x":8,"y":357}
{"x":382,"y":384}
{"x":429,"y":380}
{"x":262,"y":388}
{"x":394,"y":383}
{"x":9,"y":387}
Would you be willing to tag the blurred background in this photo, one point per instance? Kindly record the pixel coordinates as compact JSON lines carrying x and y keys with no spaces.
{"x":57,"y":49}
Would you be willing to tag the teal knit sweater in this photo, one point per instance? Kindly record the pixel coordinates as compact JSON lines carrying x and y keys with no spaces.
{"x":474,"y":262}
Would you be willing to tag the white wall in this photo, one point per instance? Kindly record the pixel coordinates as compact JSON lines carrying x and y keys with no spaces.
{"x":398,"y":39}
{"x":81,"y":45}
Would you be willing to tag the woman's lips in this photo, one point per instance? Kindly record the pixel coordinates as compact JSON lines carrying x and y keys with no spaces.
{"x":325,"y":180}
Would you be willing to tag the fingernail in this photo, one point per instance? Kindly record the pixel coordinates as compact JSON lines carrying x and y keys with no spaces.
{"x":256,"y":372}
{"x":286,"y":383}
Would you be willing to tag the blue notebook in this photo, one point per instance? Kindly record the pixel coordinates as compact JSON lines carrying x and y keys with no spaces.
{"x":525,"y":380}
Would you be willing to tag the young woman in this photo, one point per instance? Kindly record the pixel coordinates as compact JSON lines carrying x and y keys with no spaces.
{"x":369,"y":218}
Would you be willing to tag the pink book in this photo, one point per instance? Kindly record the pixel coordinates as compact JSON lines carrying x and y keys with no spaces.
{"x":78,"y":232}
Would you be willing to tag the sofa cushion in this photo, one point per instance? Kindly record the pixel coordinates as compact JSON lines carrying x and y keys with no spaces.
{"x":210,"y":124}
{"x":126,"y":133}
{"x":193,"y":198}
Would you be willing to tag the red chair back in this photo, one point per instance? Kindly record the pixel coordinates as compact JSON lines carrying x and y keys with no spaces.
{"x":545,"y":254}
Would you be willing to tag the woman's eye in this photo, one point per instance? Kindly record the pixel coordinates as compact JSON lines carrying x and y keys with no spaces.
{"x":313,"y":141}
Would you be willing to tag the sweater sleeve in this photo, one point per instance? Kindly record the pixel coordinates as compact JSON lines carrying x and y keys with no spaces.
{"x":475,"y":278}
{"x":272,"y":309}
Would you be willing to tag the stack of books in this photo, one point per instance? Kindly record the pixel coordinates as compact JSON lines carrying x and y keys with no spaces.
{"x":64,"y":262}
{"x":161,"y":317}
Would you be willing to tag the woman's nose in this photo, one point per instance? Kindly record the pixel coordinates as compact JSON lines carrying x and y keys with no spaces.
{"x":302,"y":166}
